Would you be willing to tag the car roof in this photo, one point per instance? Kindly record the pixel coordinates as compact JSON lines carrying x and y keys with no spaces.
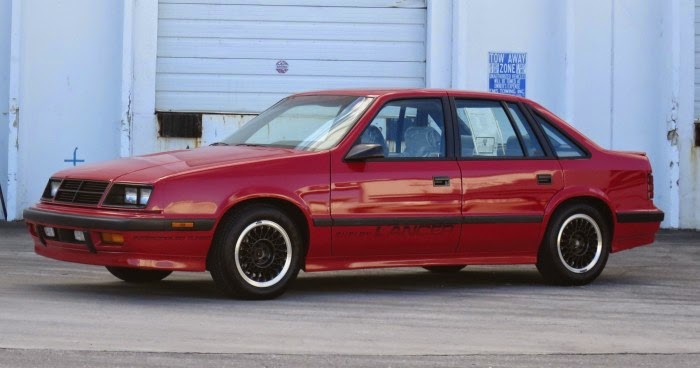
{"x":376,"y":92}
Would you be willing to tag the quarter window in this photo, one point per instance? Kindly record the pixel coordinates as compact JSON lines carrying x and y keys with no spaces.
{"x":408,"y":128}
{"x":562,"y":145}
{"x":486,"y":131}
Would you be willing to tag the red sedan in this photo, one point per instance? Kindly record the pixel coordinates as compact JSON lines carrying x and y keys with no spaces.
{"x":351,"y":179}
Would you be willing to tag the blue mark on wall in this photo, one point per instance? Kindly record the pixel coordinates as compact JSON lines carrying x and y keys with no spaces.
{"x":75,"y":159}
{"x":507,"y":72}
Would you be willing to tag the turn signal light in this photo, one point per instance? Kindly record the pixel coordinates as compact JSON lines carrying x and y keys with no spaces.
{"x":112,"y":238}
{"x":183,"y":225}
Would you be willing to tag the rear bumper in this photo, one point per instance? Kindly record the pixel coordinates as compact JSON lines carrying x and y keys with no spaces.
{"x":636,"y":228}
{"x":150,"y":241}
{"x":640,"y":216}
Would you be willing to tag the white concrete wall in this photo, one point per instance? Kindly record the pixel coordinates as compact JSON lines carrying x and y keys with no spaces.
{"x":689,"y":64}
{"x":642,"y":89}
{"x":618,"y":70}
{"x":5,"y":22}
{"x":144,"y":129}
{"x":536,"y":27}
{"x":69,"y":81}
{"x":588,"y":80}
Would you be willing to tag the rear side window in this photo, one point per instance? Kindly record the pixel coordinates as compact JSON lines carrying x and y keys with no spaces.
{"x":562,"y":146}
{"x":532,"y":145}
{"x":485,"y":130}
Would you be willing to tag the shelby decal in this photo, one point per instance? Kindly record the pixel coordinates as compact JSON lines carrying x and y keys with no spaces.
{"x":399,"y":230}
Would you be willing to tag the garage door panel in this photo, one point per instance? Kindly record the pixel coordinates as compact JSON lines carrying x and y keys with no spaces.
{"x":266,"y":83}
{"x":339,"y":3}
{"x":289,"y":49}
{"x":293,"y":13}
{"x":289,"y":31}
{"x":398,"y":69}
{"x":242,"y":56}
{"x":239,"y":102}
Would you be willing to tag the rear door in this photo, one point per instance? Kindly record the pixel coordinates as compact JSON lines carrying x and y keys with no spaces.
{"x":508,"y":178}
{"x":407,"y":203}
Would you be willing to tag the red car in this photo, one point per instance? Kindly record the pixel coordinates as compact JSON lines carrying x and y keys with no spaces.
{"x":350,"y":179}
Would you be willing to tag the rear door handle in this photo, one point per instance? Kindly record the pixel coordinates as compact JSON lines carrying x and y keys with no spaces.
{"x":544,"y":179}
{"x":441,"y":181}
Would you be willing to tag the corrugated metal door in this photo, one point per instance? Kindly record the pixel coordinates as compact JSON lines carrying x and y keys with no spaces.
{"x":240,"y":56}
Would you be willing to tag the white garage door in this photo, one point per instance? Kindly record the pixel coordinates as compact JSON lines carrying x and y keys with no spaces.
{"x":240,"y":56}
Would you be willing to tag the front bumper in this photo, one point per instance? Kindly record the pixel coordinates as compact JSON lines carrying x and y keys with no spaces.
{"x":149,"y":240}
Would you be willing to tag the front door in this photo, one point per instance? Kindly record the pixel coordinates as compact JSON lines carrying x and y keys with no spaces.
{"x":407,"y":203}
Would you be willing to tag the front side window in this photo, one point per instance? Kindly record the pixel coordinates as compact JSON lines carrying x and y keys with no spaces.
{"x":408,"y":128}
{"x":308,"y":123}
{"x":561,"y":145}
{"x":486,"y":131}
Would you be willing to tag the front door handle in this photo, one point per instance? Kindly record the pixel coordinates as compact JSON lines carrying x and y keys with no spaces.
{"x":544,"y":179}
{"x":441,"y":181}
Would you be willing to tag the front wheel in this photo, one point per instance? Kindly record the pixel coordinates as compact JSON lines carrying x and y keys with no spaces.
{"x":256,"y":253}
{"x":137,"y":275}
{"x":576,"y":246}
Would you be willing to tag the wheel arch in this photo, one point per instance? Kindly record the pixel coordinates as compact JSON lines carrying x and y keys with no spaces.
{"x":597,"y":202}
{"x":291,"y":209}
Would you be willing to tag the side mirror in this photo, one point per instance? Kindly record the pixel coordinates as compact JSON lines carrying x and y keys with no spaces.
{"x":361,"y":152}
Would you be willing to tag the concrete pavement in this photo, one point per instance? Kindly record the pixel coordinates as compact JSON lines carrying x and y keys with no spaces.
{"x":644,"y":310}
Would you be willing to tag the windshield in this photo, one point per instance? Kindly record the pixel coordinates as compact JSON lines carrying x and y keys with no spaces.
{"x":308,"y":123}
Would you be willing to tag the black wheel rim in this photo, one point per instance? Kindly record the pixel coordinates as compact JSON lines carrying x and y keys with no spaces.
{"x":263,"y":253}
{"x":579,"y":243}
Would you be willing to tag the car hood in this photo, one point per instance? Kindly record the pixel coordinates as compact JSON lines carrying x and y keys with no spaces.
{"x":150,"y":168}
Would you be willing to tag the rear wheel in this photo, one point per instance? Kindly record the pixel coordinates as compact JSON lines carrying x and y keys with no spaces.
{"x":137,"y":275}
{"x":256,"y":253}
{"x":445,"y":269}
{"x":576,"y":246}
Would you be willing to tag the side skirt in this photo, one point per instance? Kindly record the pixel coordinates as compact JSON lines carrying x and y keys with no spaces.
{"x":348,"y":263}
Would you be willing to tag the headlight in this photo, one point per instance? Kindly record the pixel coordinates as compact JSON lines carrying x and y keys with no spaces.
{"x":131,"y":195}
{"x":51,"y":188}
{"x":145,"y":195}
{"x":128,"y":195}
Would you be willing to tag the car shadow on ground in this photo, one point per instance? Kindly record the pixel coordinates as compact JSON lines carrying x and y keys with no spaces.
{"x":346,"y":283}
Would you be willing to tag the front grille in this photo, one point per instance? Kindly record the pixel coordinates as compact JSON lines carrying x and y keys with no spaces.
{"x":81,"y":191}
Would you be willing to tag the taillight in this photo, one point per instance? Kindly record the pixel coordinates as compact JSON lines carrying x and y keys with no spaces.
{"x":650,"y":186}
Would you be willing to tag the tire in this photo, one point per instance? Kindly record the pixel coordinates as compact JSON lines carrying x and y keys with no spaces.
{"x":138,"y":275}
{"x":576,"y":246}
{"x":256,"y":253}
{"x":445,"y":269}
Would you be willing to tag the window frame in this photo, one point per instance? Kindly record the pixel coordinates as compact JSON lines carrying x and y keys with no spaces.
{"x":448,"y":135}
{"x":575,"y":142}
{"x":548,"y":154}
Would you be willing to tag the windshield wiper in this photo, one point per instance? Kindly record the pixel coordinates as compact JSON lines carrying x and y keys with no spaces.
{"x":219,"y":144}
{"x":251,"y":145}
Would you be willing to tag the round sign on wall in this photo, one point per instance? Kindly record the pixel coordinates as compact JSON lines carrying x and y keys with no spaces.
{"x":282,"y":67}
